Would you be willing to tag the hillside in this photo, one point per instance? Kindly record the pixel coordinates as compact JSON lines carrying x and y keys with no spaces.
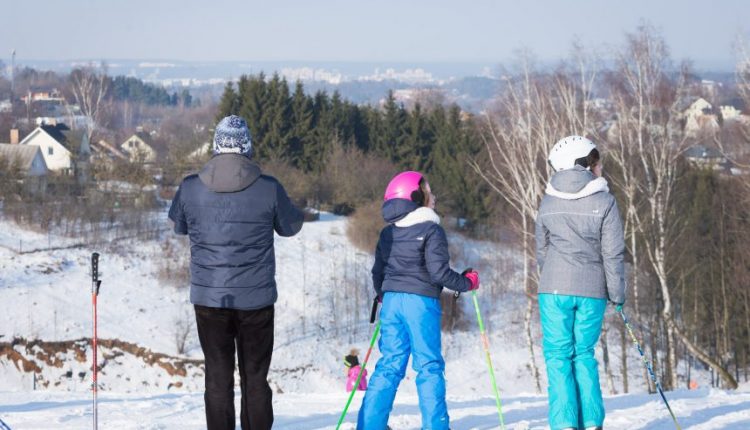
{"x":324,"y":298}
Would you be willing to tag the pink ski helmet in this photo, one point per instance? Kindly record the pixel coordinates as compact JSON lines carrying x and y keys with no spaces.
{"x":403,"y":185}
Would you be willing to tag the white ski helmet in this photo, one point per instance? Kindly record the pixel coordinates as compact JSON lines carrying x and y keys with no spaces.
{"x":567,"y":150}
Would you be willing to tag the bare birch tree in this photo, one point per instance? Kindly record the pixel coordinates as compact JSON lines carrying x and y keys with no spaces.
{"x":90,"y":86}
{"x":534,"y":111}
{"x":651,"y":136}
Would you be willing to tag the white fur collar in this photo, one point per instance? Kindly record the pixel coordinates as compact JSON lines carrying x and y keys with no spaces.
{"x":593,"y":187}
{"x":417,"y":216}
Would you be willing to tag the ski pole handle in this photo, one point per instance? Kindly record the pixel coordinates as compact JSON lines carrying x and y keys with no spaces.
{"x":95,"y":282}
{"x":374,"y":311}
{"x":95,"y":266}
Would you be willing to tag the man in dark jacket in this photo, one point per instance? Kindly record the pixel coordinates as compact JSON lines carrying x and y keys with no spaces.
{"x":230,"y":211}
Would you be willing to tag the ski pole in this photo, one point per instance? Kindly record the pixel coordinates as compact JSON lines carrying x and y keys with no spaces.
{"x":367,"y":357}
{"x":486,"y":344}
{"x":4,"y":426}
{"x":647,"y":364}
{"x":95,"y":283}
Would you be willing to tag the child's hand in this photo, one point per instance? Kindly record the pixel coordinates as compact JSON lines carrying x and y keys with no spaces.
{"x":473,"y":277}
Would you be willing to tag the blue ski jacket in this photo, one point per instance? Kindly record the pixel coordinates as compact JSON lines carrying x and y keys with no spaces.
{"x":412,"y":253}
{"x":230,"y":211}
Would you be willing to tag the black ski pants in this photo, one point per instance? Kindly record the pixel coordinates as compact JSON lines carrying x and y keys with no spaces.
{"x":251,"y":332}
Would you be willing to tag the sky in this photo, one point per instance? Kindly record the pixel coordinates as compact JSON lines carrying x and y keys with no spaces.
{"x":360,"y":30}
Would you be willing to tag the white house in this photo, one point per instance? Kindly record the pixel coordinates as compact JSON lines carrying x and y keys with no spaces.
{"x":202,"y":153}
{"x":28,"y":159}
{"x":695,"y":107}
{"x":106,"y":153}
{"x":729,"y":112}
{"x":54,"y":144}
{"x":139,"y":148}
{"x":697,"y":114}
{"x":703,"y":156}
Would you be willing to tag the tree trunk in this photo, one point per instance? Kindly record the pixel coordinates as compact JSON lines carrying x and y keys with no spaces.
{"x":529,"y":304}
{"x":624,"y":357}
{"x":660,"y":266}
{"x":655,"y":361}
{"x":530,"y":342}
{"x":605,"y":358}
{"x":747,"y":329}
{"x":636,"y":298}
{"x":725,"y":301}
{"x":671,"y":361}
{"x":730,"y":382}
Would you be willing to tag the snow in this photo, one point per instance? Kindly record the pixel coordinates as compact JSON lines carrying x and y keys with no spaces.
{"x":322,"y":312}
{"x":697,"y":410}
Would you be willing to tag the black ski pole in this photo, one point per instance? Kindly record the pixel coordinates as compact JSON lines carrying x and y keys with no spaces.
{"x":95,"y":284}
{"x":374,"y":311}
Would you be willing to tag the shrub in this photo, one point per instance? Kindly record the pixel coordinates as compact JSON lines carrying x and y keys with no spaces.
{"x":298,"y":185}
{"x":352,"y":178}
{"x":364,"y":226}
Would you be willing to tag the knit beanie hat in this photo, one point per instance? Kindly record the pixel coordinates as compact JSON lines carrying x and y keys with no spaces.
{"x":233,"y":137}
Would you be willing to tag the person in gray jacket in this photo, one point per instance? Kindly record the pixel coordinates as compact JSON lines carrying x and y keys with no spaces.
{"x":580,"y":250}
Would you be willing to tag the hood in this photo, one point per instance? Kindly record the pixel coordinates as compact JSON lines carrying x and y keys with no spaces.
{"x":395,"y":209}
{"x":575,"y":183}
{"x":420,"y":215}
{"x":228,"y":173}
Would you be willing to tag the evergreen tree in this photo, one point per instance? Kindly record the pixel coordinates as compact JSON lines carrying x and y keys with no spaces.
{"x":462,"y":192}
{"x":301,"y":134}
{"x":252,"y":95}
{"x":323,"y":133}
{"x":276,"y":118}
{"x":185,"y":98}
{"x":359,"y":130}
{"x":229,"y":104}
{"x":394,"y":129}
{"x":414,"y":153}
{"x":374,"y":125}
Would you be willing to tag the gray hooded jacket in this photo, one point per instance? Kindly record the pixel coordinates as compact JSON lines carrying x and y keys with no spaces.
{"x":579,"y":238}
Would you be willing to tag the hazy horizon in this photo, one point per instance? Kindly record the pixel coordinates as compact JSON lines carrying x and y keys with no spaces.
{"x":340,"y":31}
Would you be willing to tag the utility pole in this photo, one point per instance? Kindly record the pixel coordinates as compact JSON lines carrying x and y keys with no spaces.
{"x":12,"y":71}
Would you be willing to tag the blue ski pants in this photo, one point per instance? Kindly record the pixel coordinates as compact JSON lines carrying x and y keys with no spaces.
{"x":409,"y":324}
{"x":571,"y":326}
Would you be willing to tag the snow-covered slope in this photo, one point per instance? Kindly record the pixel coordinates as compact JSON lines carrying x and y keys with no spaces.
{"x":697,"y":410}
{"x":322,"y":312}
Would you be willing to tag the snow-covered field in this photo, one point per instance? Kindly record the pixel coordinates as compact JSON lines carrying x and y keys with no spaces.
{"x":324,"y":299}
{"x":697,"y":410}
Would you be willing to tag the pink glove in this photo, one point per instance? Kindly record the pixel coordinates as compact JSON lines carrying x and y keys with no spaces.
{"x":473,"y":277}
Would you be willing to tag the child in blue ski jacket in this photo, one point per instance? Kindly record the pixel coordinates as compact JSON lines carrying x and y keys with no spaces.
{"x":580,"y":250}
{"x":411,"y":268}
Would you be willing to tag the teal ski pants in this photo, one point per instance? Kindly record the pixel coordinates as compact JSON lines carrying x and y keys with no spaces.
{"x":409,"y":325}
{"x":571,"y":326}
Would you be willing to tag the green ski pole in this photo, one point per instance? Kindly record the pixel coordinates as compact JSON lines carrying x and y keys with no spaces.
{"x":486,"y":344}
{"x":362,"y":368}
